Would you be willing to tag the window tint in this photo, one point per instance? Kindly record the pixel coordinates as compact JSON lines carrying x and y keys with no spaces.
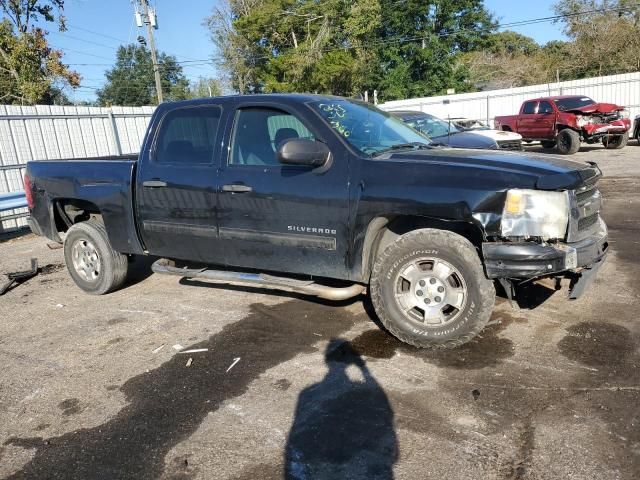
{"x":545,"y":107}
{"x":188,"y":136}
{"x":529,"y":107}
{"x":258,"y":133}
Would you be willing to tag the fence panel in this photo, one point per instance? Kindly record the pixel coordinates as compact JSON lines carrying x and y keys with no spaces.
{"x":44,"y":132}
{"x":623,"y":89}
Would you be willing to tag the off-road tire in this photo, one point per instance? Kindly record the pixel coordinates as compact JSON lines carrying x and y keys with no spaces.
{"x":441,"y":245}
{"x":616,"y":141}
{"x":548,"y":144}
{"x":113,"y":265}
{"x":568,"y":141}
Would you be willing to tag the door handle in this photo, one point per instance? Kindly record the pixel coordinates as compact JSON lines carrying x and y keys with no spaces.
{"x":154,"y":183}
{"x":236,"y":188}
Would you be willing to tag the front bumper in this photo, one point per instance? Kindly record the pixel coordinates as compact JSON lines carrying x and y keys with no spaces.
{"x":617,"y":127}
{"x":530,"y":260}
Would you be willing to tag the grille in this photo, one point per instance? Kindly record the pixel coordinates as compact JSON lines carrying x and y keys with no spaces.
{"x":581,"y":197}
{"x":510,"y":144}
{"x":587,"y":222}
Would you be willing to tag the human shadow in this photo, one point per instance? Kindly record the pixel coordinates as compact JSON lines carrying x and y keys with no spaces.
{"x":343,"y":428}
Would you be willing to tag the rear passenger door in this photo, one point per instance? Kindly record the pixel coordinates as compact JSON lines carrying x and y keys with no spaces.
{"x":286,"y":218}
{"x":176,"y":181}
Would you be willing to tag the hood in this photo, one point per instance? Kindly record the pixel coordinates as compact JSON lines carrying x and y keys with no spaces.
{"x":597,"y":108}
{"x":465,"y":140}
{"x":545,"y":172}
{"x":497,"y":135}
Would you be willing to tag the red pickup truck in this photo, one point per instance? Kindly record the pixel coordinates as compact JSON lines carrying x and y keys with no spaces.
{"x":565,"y":121}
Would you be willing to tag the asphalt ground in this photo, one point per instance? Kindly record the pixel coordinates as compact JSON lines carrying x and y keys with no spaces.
{"x":291,"y":387}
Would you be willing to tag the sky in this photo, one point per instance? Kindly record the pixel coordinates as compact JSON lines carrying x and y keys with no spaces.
{"x":95,"y":31}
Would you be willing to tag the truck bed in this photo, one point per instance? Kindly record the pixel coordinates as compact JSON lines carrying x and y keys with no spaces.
{"x":105,"y":182}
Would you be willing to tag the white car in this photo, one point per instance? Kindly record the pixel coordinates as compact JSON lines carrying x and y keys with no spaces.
{"x":456,"y":135}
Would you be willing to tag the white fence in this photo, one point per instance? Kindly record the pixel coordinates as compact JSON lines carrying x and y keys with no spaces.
{"x":53,"y":132}
{"x":620,"y":89}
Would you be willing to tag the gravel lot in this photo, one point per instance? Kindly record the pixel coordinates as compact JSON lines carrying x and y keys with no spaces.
{"x":93,"y":388}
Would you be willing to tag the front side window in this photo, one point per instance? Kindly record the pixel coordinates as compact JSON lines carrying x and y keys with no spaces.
{"x":368,"y":129}
{"x":259,"y":132}
{"x":529,"y":108}
{"x":545,"y":107}
{"x":188,"y":136}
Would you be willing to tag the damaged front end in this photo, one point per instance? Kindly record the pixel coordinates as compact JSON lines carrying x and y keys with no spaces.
{"x":596,"y":126}
{"x":542,"y":234}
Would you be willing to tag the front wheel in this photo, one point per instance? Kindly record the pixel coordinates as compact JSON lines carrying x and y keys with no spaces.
{"x":429,"y":289}
{"x":92,"y":263}
{"x":616,"y":141}
{"x":568,"y":141}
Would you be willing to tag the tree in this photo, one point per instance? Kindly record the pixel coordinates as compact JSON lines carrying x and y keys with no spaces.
{"x":205,"y":87}
{"x":605,"y":36}
{"x":400,"y":48}
{"x":31,"y":71}
{"x":442,"y":30}
{"x":509,"y":59}
{"x":131,"y":81}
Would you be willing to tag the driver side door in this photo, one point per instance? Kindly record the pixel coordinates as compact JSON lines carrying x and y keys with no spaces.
{"x":285,"y":218}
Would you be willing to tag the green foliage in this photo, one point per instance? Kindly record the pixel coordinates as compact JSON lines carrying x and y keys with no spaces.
{"x":510,"y":59}
{"x":604,"y":42}
{"x":31,"y":71}
{"x":131,"y":81}
{"x":205,"y":87}
{"x":401,"y":49}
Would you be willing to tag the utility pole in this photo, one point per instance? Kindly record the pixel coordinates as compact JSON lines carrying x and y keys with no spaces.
{"x":150,"y":22}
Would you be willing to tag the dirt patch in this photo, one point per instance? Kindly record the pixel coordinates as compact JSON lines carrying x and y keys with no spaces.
{"x":51,"y":268}
{"x":488,"y":349}
{"x":166,"y":405}
{"x":70,"y":406}
{"x":597,"y":344}
{"x":282,"y":384}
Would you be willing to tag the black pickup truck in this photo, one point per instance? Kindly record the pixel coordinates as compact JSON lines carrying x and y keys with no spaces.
{"x":330,"y":197}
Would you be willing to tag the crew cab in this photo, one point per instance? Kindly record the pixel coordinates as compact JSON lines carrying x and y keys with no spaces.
{"x":329,"y":197}
{"x":565,"y":121}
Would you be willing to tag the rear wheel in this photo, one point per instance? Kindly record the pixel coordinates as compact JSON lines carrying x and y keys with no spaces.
{"x":429,"y":289}
{"x":548,"y":144}
{"x":92,"y":263}
{"x":616,"y":141}
{"x":568,"y":141}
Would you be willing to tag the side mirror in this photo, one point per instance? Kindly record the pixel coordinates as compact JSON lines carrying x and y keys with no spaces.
{"x":301,"y":151}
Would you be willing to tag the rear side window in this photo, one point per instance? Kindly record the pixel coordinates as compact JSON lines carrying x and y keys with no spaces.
{"x":188,"y":136}
{"x":258,"y":133}
{"x":529,"y":107}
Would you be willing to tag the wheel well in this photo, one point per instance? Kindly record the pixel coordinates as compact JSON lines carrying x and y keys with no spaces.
{"x":69,"y":211}
{"x":382,"y":231}
{"x":506,"y":128}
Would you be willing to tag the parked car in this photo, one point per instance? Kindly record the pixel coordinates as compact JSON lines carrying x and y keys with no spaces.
{"x":324,"y":196}
{"x":636,"y":128}
{"x":469,"y":123}
{"x":448,"y":133}
{"x":565,"y":121}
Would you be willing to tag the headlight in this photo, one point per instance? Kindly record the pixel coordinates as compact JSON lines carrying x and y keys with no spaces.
{"x":624,"y":113}
{"x":581,"y":121}
{"x":535,"y":213}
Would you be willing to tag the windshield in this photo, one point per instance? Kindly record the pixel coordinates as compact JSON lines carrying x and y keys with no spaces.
{"x":565,"y":104}
{"x":431,"y":126}
{"x":368,"y":129}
